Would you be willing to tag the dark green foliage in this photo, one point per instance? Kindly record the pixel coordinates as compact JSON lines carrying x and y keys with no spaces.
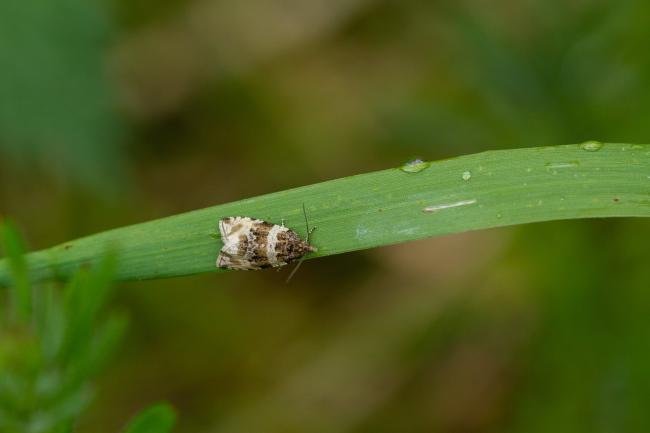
{"x":14,"y":249}
{"x":157,"y":419}
{"x":52,"y":342}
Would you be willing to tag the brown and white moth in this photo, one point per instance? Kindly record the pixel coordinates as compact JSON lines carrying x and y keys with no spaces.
{"x":250,"y":244}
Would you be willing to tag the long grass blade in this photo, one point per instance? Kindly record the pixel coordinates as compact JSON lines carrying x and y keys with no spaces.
{"x":15,"y":269}
{"x":472,"y":192}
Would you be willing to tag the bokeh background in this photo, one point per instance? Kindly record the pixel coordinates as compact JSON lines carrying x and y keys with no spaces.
{"x":119,"y":111}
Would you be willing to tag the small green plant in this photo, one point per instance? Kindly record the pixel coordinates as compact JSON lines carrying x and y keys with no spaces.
{"x":53,"y":341}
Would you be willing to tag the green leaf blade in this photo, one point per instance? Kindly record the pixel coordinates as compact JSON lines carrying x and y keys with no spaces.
{"x":472,"y":192}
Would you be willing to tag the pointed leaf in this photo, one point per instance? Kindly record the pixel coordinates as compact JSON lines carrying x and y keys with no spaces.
{"x":159,"y":418}
{"x":14,"y":249}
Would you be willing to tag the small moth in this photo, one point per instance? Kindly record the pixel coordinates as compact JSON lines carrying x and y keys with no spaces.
{"x":250,"y":244}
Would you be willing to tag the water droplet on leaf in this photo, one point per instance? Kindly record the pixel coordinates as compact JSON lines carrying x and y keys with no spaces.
{"x":591,"y":146}
{"x":414,"y":166}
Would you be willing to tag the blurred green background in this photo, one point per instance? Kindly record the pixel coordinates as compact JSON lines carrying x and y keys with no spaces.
{"x":119,"y":111}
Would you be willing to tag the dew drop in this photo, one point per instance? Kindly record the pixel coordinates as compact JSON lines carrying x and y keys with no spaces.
{"x":499,"y":216}
{"x":591,"y":146}
{"x":361,"y":232}
{"x":415,"y":166}
{"x":467,"y":175}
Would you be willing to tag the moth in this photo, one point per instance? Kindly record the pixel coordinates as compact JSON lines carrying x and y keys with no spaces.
{"x":250,"y":244}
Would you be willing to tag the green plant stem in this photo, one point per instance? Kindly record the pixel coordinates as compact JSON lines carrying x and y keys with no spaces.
{"x":479,"y":191}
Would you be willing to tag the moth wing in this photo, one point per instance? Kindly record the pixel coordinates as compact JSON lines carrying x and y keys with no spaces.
{"x":230,"y":261}
{"x":231,"y":229}
{"x":229,"y":226}
{"x":231,"y":248}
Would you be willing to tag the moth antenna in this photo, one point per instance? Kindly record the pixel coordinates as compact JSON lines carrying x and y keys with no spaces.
{"x":294,"y":271}
{"x":304,"y":212}
{"x":309,"y":231}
